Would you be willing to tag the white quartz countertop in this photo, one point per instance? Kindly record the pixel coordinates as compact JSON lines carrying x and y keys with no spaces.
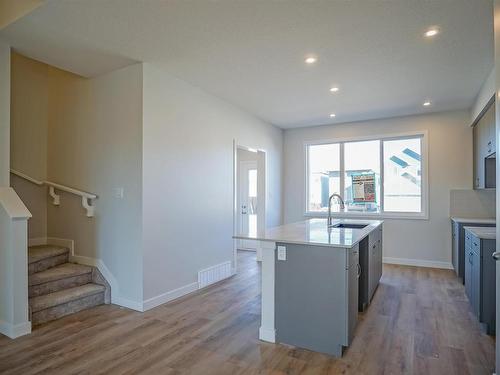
{"x":473,"y":220}
{"x":485,"y":233}
{"x":316,"y":232}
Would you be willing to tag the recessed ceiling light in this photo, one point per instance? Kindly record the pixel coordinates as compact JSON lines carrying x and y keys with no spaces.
{"x":427,"y":103}
{"x":332,"y":115}
{"x":433,"y":31}
{"x":334,"y":89}
{"x":311,"y":59}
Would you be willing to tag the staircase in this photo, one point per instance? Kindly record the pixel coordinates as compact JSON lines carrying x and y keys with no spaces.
{"x":58,"y":288}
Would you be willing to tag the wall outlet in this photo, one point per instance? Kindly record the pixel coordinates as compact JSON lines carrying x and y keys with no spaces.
{"x":118,"y":192}
{"x":281,"y":252}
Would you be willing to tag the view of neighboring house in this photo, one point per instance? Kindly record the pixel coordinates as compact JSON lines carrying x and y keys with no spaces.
{"x":249,"y":187}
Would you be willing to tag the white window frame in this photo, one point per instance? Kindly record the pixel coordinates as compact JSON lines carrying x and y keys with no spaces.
{"x":423,"y":215}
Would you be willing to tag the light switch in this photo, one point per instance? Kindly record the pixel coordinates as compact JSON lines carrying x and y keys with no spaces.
{"x":281,"y":252}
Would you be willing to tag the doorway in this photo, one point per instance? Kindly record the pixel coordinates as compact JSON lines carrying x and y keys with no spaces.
{"x":248,"y":200}
{"x":249,"y":196}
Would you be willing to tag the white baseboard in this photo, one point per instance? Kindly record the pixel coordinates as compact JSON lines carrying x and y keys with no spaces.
{"x":214,"y":274}
{"x":418,"y":263}
{"x":116,"y":297}
{"x":206,"y":277}
{"x":14,"y":331}
{"x":268,"y":335}
{"x":169,"y":296}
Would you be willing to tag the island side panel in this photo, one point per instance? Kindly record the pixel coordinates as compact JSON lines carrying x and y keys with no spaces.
{"x":311,"y":298}
{"x":267,"y":331}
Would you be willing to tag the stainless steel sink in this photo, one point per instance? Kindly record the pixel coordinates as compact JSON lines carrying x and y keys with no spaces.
{"x":349,"y":226}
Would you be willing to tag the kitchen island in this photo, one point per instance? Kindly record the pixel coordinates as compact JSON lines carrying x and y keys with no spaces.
{"x":314,"y":280}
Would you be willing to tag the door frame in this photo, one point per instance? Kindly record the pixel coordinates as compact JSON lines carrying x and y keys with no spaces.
{"x":261,"y":193}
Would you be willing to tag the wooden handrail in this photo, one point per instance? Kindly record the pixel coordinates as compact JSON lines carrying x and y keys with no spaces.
{"x":87,"y":198}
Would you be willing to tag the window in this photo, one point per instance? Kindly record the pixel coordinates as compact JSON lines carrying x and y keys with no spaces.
{"x":374,"y":177}
{"x":324,"y":175}
{"x":361,"y":159}
{"x":403,"y":175}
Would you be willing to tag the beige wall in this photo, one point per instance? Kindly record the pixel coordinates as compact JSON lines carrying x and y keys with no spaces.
{"x":29,"y":116}
{"x":86,"y":134}
{"x":450,"y":167}
{"x":11,"y":10}
{"x":4,"y":113}
{"x":94,"y":144}
{"x":188,"y":179}
{"x":28,"y":136}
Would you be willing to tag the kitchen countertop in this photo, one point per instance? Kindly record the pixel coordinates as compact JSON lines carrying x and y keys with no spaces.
{"x":485,"y":233}
{"x":473,"y":220}
{"x":315,"y":232}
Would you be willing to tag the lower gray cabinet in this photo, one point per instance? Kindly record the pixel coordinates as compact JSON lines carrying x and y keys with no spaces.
{"x":455,"y":242}
{"x":468,"y":273}
{"x":480,"y":279}
{"x":354,"y":272}
{"x":459,"y":252}
{"x":375,"y":261}
{"x":476,"y":283}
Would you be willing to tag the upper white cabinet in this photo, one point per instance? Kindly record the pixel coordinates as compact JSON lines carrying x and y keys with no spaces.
{"x":484,"y":148}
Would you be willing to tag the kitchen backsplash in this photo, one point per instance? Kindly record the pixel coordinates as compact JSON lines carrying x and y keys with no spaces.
{"x":473,"y":203}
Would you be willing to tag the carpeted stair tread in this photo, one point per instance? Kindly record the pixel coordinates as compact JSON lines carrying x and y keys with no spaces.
{"x":41,"y":252}
{"x":64,"y":296}
{"x":59,"y":272}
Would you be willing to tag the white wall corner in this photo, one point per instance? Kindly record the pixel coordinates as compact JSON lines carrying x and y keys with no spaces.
{"x":418,"y":263}
{"x":14,"y":331}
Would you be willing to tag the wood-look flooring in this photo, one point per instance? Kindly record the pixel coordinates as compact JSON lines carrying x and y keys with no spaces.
{"x":419,"y":323}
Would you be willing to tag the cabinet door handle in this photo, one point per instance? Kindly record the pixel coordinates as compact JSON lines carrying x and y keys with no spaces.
{"x":496,"y":255}
{"x":359,"y":270}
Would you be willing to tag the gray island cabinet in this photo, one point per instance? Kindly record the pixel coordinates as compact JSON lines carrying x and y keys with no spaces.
{"x":314,"y":281}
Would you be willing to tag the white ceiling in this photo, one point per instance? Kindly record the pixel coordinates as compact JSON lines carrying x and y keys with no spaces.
{"x":251,"y":53}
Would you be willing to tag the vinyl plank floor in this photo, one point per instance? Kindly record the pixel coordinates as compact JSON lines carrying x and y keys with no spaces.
{"x":419,"y":322}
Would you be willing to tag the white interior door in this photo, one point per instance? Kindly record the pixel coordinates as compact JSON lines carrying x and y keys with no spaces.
{"x":247,"y":202}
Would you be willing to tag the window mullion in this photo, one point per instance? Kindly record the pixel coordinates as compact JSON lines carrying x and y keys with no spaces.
{"x":342,"y":170}
{"x":382,"y":177}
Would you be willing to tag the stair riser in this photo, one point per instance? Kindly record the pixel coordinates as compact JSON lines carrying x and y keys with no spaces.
{"x":68,"y":308}
{"x":47,"y":263}
{"x":57,"y":285}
